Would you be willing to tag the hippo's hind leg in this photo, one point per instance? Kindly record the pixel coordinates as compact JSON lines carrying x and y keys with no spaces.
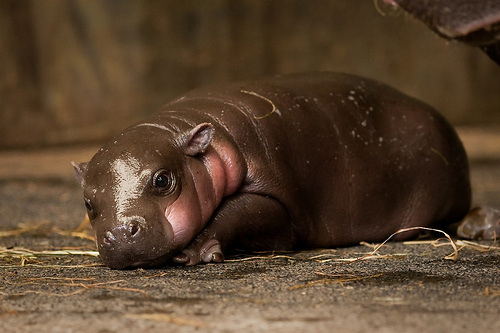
{"x":480,"y":223}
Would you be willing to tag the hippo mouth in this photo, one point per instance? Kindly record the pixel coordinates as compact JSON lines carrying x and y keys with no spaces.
{"x":134,"y":255}
{"x":153,"y":263}
{"x":133,"y":264}
{"x":134,"y":243}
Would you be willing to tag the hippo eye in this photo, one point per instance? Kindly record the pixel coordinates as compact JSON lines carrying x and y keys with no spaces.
{"x":164,"y":181}
{"x":90,"y":210}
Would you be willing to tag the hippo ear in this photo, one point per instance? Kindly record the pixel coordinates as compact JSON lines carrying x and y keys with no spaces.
{"x":80,"y":170}
{"x":196,"y":140}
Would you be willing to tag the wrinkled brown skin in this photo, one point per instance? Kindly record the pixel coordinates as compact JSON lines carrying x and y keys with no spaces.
{"x":476,"y":22}
{"x":316,"y":160}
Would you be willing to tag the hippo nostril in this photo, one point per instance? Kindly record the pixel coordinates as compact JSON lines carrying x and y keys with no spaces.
{"x":108,"y":238}
{"x":134,"y":228}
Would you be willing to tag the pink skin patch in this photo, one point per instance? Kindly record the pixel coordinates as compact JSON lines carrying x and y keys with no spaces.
{"x":233,"y":169}
{"x":184,"y":215}
{"x":220,"y":174}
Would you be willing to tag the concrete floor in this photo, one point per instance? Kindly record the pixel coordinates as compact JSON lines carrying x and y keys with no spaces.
{"x":406,"y":287}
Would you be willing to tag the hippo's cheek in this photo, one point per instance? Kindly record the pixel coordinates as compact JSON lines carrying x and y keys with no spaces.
{"x":185,"y":219}
{"x":185,"y":224}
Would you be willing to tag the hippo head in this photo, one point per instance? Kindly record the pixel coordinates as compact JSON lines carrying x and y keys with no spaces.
{"x":148,"y":193}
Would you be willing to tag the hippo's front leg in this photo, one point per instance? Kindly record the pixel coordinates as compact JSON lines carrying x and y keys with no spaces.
{"x":246,"y":220}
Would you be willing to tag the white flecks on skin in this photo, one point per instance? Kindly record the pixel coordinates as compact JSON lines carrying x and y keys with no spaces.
{"x":353,"y":99}
{"x":380,"y":140}
{"x":128,"y":182}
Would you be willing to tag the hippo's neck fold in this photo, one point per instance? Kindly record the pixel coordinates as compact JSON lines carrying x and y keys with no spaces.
{"x":226,"y":172}
{"x":232,"y":165}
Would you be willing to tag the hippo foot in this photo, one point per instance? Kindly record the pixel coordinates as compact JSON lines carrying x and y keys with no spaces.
{"x":480,"y":223}
{"x":209,"y":251}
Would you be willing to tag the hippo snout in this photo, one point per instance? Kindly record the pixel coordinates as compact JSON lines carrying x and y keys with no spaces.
{"x":131,"y":230}
{"x":133,"y":243}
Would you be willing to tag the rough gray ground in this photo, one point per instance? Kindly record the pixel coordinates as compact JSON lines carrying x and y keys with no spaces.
{"x":407,"y":287}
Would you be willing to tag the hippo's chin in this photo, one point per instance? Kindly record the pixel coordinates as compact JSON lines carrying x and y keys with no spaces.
{"x":150,"y":263}
{"x":132,"y":264}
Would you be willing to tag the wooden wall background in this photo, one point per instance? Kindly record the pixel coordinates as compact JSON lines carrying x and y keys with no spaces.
{"x":74,"y":71}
